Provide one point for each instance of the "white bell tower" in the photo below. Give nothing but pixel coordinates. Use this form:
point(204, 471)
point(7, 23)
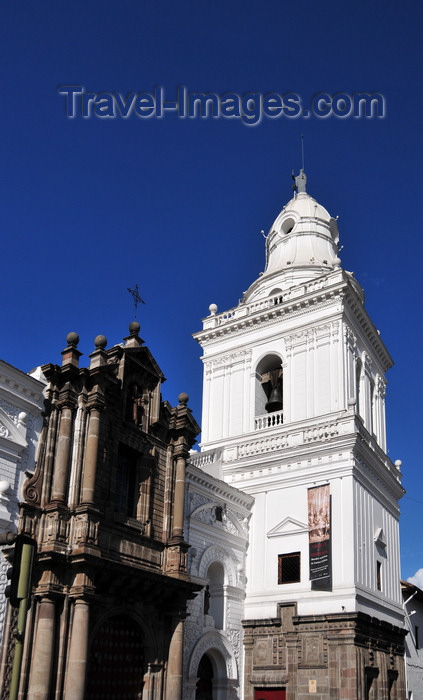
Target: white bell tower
point(294, 415)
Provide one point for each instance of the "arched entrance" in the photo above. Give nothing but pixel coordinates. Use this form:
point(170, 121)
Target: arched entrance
point(204, 689)
point(116, 661)
point(212, 672)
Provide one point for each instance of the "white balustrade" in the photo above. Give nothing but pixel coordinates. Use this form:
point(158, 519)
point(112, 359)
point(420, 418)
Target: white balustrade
point(269, 420)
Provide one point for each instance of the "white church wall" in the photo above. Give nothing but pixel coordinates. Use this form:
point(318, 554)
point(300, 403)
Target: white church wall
point(413, 607)
point(312, 361)
point(280, 527)
point(376, 554)
point(216, 527)
point(21, 402)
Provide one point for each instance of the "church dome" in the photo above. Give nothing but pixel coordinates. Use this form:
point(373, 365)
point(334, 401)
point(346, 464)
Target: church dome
point(302, 244)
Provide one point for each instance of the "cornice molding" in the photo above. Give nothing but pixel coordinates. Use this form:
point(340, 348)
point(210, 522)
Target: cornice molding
point(217, 487)
point(336, 287)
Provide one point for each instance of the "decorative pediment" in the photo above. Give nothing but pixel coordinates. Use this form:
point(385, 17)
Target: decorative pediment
point(11, 434)
point(288, 526)
point(214, 513)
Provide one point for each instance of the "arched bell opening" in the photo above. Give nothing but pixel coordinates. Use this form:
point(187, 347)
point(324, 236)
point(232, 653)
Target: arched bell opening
point(269, 388)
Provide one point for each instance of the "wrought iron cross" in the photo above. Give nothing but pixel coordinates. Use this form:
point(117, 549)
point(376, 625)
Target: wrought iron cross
point(136, 297)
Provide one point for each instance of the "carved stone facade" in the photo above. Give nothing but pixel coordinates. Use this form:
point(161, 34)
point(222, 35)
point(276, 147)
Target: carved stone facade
point(21, 403)
point(105, 506)
point(344, 657)
point(413, 609)
point(216, 526)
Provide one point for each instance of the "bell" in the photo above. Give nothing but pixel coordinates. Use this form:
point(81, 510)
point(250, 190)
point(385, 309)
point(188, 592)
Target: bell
point(275, 400)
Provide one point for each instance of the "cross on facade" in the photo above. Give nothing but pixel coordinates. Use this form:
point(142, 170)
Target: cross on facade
point(136, 297)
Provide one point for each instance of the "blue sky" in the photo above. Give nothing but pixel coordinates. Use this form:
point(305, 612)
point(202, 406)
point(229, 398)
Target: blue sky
point(92, 206)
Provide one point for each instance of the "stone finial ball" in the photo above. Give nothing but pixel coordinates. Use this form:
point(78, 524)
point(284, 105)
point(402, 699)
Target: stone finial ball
point(72, 338)
point(213, 309)
point(398, 463)
point(100, 342)
point(4, 487)
point(134, 328)
point(183, 398)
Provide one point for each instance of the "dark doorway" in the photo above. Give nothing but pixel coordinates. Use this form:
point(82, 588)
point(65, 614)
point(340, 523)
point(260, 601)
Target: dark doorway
point(204, 689)
point(116, 661)
point(270, 694)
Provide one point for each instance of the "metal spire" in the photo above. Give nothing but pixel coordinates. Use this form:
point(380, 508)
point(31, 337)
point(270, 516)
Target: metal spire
point(301, 179)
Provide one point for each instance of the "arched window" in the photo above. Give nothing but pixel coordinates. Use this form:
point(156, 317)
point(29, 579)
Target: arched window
point(216, 578)
point(277, 295)
point(269, 385)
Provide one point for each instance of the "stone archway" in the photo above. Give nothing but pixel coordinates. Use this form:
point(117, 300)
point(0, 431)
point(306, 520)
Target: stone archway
point(116, 661)
point(218, 671)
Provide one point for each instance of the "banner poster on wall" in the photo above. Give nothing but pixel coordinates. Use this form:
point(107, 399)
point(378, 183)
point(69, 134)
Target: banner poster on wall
point(319, 532)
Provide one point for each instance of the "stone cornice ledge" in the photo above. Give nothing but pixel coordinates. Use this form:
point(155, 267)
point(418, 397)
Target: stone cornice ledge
point(216, 486)
point(294, 440)
point(323, 288)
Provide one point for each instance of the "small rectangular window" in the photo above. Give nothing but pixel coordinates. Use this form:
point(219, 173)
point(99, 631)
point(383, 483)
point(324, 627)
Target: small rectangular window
point(379, 575)
point(416, 636)
point(289, 568)
point(126, 493)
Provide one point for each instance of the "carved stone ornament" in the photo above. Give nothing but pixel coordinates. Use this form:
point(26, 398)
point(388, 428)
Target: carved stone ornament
point(85, 530)
point(234, 636)
point(11, 411)
point(32, 488)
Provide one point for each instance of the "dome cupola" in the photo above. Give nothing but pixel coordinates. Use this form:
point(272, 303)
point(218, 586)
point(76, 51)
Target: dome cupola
point(302, 244)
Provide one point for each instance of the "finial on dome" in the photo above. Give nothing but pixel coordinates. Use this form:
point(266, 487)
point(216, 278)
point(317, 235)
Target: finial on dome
point(300, 181)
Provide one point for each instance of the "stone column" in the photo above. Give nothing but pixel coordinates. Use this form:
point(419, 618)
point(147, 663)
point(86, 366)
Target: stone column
point(42, 657)
point(44, 489)
point(153, 681)
point(178, 506)
point(90, 462)
point(175, 663)
point(78, 650)
point(61, 463)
